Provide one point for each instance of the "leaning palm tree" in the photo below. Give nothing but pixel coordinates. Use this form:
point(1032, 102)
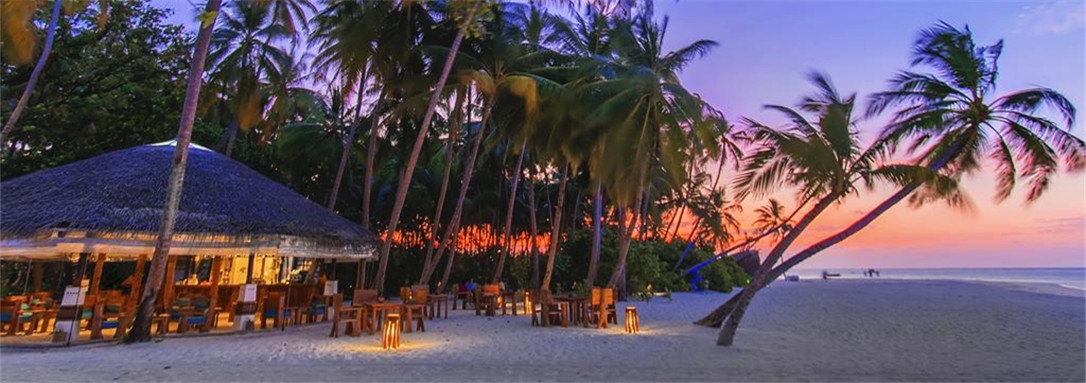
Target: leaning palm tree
point(824, 161)
point(955, 112)
point(141, 329)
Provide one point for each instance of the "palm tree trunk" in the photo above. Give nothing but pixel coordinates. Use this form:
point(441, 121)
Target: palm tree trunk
point(532, 223)
point(231, 138)
point(348, 143)
point(868, 218)
point(409, 169)
point(625, 232)
point(469, 169)
point(556, 227)
point(141, 330)
point(34, 74)
point(371, 156)
point(449, 265)
point(435, 224)
point(597, 233)
point(508, 232)
point(727, 333)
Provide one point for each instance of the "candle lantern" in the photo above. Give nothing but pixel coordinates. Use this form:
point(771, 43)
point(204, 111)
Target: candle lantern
point(633, 323)
point(390, 339)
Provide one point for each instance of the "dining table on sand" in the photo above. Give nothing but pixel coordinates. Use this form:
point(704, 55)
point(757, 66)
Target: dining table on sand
point(436, 302)
point(577, 311)
point(378, 310)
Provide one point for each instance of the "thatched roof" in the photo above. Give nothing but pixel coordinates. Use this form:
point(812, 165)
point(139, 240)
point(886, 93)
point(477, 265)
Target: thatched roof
point(114, 203)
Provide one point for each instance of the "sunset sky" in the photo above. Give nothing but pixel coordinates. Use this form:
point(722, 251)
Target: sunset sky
point(766, 48)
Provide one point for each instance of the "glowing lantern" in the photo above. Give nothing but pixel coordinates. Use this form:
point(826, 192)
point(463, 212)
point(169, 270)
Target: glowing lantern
point(633, 323)
point(390, 340)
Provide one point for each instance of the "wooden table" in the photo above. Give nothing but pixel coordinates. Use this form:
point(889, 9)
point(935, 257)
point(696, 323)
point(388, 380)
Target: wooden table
point(163, 321)
point(578, 309)
point(383, 308)
point(563, 310)
point(435, 302)
point(506, 298)
point(39, 319)
point(488, 300)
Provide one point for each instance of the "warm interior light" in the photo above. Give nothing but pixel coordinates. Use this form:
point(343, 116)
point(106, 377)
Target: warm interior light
point(390, 339)
point(633, 323)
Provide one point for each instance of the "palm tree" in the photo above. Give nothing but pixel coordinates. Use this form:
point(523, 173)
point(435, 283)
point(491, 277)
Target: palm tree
point(141, 330)
point(771, 218)
point(824, 162)
point(20, 30)
point(290, 14)
point(244, 56)
point(955, 110)
point(651, 120)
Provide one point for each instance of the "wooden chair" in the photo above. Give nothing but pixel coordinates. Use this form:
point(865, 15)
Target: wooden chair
point(464, 295)
point(107, 319)
point(12, 315)
point(349, 317)
point(608, 311)
point(486, 298)
point(416, 310)
point(545, 311)
point(275, 309)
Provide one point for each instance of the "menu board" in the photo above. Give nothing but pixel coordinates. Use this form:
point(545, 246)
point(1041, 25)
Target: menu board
point(73, 296)
point(248, 293)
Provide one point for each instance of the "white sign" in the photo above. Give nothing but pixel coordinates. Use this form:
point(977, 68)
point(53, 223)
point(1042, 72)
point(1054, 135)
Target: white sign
point(331, 288)
point(73, 296)
point(248, 293)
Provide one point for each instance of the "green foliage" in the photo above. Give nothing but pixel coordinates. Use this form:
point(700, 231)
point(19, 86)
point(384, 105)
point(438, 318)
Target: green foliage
point(102, 90)
point(648, 263)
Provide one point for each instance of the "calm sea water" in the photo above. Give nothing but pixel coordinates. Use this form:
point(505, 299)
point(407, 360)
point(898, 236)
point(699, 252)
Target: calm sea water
point(1073, 278)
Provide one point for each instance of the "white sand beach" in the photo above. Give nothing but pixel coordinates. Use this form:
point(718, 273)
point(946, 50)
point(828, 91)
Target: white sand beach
point(838, 330)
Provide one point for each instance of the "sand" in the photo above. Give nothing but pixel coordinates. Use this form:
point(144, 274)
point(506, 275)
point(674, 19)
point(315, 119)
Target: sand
point(838, 330)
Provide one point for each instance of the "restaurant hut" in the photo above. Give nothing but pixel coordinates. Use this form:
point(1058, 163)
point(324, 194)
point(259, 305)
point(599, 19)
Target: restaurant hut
point(234, 226)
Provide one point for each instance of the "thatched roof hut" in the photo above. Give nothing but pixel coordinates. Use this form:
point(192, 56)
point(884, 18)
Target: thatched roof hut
point(113, 204)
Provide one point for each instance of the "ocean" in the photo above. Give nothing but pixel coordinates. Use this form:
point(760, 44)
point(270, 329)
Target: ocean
point(1072, 278)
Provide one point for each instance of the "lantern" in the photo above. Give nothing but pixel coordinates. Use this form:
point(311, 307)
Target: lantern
point(633, 323)
point(390, 339)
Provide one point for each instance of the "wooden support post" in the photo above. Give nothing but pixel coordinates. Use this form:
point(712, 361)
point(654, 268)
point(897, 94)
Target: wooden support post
point(360, 275)
point(37, 273)
point(249, 271)
point(216, 272)
point(137, 284)
point(80, 269)
point(98, 265)
point(167, 281)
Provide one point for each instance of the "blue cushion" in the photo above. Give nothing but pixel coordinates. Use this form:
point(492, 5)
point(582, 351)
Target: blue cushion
point(275, 312)
point(196, 320)
point(111, 324)
point(5, 317)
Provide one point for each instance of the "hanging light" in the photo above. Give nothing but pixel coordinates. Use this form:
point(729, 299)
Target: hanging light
point(633, 323)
